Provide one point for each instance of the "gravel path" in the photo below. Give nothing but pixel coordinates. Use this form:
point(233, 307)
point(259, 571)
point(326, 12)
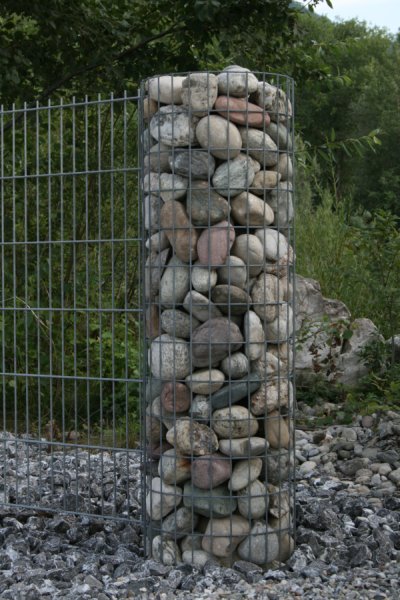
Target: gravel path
point(348, 536)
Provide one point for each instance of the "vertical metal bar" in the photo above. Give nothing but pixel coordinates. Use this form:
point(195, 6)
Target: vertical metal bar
point(14, 287)
point(26, 296)
point(3, 319)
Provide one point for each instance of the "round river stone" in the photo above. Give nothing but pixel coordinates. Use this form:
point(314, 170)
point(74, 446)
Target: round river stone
point(206, 381)
point(219, 136)
point(234, 422)
point(174, 126)
point(249, 248)
point(210, 471)
point(214, 244)
point(237, 81)
point(214, 340)
point(234, 176)
point(222, 536)
point(175, 397)
point(241, 112)
point(231, 300)
point(169, 357)
point(250, 210)
point(192, 438)
point(178, 323)
point(235, 391)
point(166, 89)
point(260, 146)
point(199, 91)
point(176, 226)
point(217, 502)
point(204, 206)
point(175, 282)
point(193, 164)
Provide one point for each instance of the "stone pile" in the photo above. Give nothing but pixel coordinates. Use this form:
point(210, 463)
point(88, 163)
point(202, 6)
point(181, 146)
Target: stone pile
point(217, 189)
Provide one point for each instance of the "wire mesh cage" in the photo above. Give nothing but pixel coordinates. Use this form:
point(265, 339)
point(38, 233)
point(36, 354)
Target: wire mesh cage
point(218, 406)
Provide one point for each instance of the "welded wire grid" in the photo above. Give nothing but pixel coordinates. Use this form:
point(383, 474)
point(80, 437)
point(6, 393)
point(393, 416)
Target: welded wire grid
point(70, 311)
point(179, 515)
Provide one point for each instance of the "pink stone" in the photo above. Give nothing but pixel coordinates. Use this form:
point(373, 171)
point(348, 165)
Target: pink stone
point(210, 471)
point(175, 397)
point(214, 244)
point(181, 235)
point(242, 112)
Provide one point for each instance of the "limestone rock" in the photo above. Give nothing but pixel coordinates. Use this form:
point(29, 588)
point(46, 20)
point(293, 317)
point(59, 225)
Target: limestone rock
point(235, 366)
point(165, 551)
point(266, 293)
point(254, 335)
point(274, 100)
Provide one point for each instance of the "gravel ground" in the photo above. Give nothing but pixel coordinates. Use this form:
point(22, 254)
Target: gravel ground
point(348, 526)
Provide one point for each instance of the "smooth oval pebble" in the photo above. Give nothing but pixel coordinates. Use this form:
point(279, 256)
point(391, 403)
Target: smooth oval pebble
point(243, 447)
point(203, 278)
point(253, 500)
point(173, 126)
point(214, 340)
point(219, 136)
point(254, 335)
point(204, 206)
point(249, 248)
point(234, 422)
point(211, 470)
point(166, 89)
point(178, 323)
point(193, 164)
point(175, 396)
point(241, 112)
point(200, 307)
point(192, 438)
point(264, 182)
point(199, 91)
point(165, 551)
point(235, 366)
point(175, 282)
point(231, 300)
point(266, 294)
point(222, 536)
point(214, 244)
point(274, 100)
point(206, 381)
point(176, 226)
point(244, 472)
point(212, 503)
point(233, 272)
point(260, 146)
point(173, 468)
point(237, 81)
point(261, 546)
point(162, 499)
point(250, 210)
point(234, 176)
point(276, 246)
point(169, 357)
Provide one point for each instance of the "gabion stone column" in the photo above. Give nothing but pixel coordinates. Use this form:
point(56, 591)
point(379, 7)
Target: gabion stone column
point(218, 431)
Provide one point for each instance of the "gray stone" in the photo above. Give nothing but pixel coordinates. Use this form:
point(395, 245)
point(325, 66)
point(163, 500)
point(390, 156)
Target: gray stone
point(235, 391)
point(277, 430)
point(260, 146)
point(254, 335)
point(230, 299)
point(152, 211)
point(153, 271)
point(173, 468)
point(276, 247)
point(222, 536)
point(169, 357)
point(165, 551)
point(162, 499)
point(249, 249)
point(281, 328)
point(200, 409)
point(233, 272)
point(175, 282)
point(261, 546)
point(281, 135)
point(215, 503)
point(200, 307)
point(197, 558)
point(199, 92)
point(281, 202)
point(235, 366)
point(157, 159)
point(264, 182)
point(219, 136)
point(271, 396)
point(284, 167)
point(204, 206)
point(243, 447)
point(193, 164)
point(250, 210)
point(237, 81)
point(253, 500)
point(266, 294)
point(206, 381)
point(203, 278)
point(173, 126)
point(214, 340)
point(166, 89)
point(234, 422)
point(157, 242)
point(180, 522)
point(170, 186)
point(192, 438)
point(178, 323)
point(210, 471)
point(244, 472)
point(234, 176)
point(274, 100)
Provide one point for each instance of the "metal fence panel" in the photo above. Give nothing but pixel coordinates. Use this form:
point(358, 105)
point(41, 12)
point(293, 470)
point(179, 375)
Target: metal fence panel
point(69, 306)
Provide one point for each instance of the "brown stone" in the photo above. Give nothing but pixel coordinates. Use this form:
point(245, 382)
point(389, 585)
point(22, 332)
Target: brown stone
point(214, 244)
point(152, 321)
point(277, 431)
point(210, 471)
point(264, 181)
point(176, 225)
point(214, 340)
point(175, 397)
point(242, 112)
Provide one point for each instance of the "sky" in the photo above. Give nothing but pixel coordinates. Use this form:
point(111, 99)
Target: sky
point(383, 13)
